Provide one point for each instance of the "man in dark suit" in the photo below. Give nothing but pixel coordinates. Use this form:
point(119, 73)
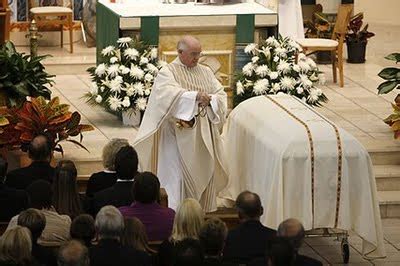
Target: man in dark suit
point(12, 201)
point(248, 242)
point(120, 194)
point(109, 251)
point(293, 231)
point(39, 151)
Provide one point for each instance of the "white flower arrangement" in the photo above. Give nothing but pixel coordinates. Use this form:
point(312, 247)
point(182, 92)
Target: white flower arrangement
point(273, 69)
point(123, 81)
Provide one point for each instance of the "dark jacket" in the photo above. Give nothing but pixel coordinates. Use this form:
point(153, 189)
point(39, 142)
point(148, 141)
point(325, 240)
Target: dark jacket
point(44, 255)
point(99, 181)
point(120, 194)
point(247, 242)
point(12, 202)
point(21, 178)
point(306, 261)
point(109, 252)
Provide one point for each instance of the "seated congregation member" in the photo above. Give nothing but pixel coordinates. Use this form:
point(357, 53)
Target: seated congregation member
point(120, 194)
point(157, 220)
point(66, 199)
point(293, 230)
point(212, 238)
point(16, 247)
point(249, 240)
point(106, 178)
point(40, 152)
point(73, 253)
point(82, 229)
point(12, 201)
point(35, 221)
point(135, 236)
point(280, 252)
point(109, 251)
point(57, 226)
point(188, 252)
point(187, 224)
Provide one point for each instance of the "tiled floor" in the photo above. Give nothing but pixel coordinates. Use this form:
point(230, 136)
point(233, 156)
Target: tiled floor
point(356, 108)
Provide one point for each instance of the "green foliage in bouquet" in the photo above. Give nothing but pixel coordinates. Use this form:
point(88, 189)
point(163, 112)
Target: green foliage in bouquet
point(22, 75)
point(124, 80)
point(273, 69)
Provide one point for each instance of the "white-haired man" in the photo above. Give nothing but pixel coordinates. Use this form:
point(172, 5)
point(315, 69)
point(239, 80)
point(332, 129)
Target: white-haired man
point(179, 137)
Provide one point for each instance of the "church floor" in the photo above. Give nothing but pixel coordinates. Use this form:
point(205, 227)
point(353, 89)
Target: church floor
point(357, 108)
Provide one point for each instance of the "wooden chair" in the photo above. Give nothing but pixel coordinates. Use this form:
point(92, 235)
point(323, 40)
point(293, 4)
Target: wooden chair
point(335, 44)
point(4, 21)
point(54, 16)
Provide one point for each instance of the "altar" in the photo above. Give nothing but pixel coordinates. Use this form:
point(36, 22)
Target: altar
point(303, 166)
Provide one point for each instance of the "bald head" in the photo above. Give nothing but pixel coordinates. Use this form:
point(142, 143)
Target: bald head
point(40, 148)
point(249, 205)
point(292, 229)
point(73, 253)
point(189, 50)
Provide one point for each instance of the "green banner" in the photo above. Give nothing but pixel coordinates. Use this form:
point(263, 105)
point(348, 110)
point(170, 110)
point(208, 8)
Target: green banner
point(150, 30)
point(245, 26)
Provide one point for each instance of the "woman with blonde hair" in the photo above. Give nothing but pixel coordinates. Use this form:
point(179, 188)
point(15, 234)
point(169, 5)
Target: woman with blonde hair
point(188, 221)
point(16, 247)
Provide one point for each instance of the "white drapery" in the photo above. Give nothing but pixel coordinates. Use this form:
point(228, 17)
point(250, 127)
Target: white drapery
point(290, 19)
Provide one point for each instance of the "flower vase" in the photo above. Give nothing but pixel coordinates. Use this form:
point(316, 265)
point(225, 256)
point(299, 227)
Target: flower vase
point(131, 118)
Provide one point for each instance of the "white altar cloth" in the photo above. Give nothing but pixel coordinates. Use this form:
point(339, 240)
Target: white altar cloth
point(302, 166)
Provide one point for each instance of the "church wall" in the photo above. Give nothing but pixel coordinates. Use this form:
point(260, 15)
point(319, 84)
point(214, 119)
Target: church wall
point(382, 11)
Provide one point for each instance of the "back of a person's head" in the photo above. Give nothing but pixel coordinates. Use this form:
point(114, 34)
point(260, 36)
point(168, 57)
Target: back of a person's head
point(212, 236)
point(82, 228)
point(3, 169)
point(134, 235)
point(292, 230)
point(110, 150)
point(146, 188)
point(280, 252)
point(65, 192)
point(16, 245)
point(109, 223)
point(126, 163)
point(188, 252)
point(40, 194)
point(73, 253)
point(188, 220)
point(249, 205)
point(40, 148)
point(34, 220)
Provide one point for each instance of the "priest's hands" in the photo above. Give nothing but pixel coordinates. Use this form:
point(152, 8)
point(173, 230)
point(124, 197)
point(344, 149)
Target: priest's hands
point(203, 98)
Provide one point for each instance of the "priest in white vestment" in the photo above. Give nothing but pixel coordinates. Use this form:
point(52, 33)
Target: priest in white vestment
point(179, 138)
point(291, 19)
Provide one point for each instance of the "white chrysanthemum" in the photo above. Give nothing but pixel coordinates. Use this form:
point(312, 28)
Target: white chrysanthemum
point(136, 72)
point(250, 48)
point(141, 103)
point(296, 68)
point(239, 88)
point(124, 70)
point(311, 63)
point(131, 53)
point(130, 90)
point(262, 70)
point(276, 58)
point(294, 45)
point(248, 69)
point(113, 60)
point(94, 90)
point(138, 88)
point(99, 99)
point(152, 68)
point(143, 60)
point(114, 102)
point(271, 41)
point(301, 57)
point(280, 51)
point(288, 83)
point(254, 59)
point(162, 63)
point(148, 77)
point(275, 87)
point(116, 84)
point(100, 70)
point(284, 67)
point(113, 70)
point(124, 41)
point(260, 86)
point(153, 53)
point(147, 91)
point(273, 75)
point(300, 90)
point(126, 102)
point(321, 79)
point(109, 50)
point(314, 95)
point(304, 67)
point(305, 81)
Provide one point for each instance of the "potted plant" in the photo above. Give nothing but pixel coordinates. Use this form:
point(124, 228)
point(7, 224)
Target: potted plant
point(21, 76)
point(38, 116)
point(356, 39)
point(274, 69)
point(122, 82)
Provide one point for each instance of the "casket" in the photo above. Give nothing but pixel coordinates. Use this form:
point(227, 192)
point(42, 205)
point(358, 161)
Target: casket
point(303, 166)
